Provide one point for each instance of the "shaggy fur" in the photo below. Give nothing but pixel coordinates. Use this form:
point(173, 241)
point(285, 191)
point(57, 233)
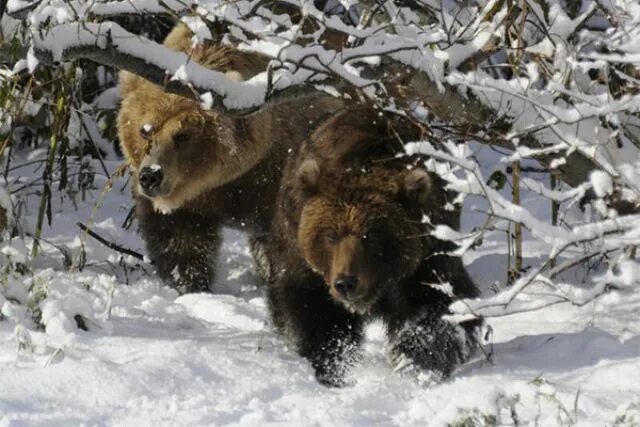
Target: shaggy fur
point(216, 170)
point(351, 211)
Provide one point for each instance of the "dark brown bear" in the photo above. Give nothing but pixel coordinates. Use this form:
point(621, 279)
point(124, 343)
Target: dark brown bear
point(349, 244)
point(196, 170)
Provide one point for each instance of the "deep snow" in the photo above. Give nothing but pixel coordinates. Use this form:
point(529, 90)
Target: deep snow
point(153, 358)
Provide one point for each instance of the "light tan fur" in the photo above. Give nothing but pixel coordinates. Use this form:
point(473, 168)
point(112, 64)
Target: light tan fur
point(215, 149)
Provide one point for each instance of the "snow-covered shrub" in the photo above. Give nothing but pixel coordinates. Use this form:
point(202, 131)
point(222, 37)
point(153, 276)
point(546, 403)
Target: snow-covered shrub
point(55, 301)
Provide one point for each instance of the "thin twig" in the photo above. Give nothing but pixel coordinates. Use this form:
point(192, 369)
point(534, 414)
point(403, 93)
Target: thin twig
point(109, 244)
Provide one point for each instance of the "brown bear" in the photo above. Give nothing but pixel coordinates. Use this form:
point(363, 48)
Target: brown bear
point(350, 243)
point(196, 170)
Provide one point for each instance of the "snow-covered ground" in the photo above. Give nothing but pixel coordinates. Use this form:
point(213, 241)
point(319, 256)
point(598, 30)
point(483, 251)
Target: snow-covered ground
point(150, 357)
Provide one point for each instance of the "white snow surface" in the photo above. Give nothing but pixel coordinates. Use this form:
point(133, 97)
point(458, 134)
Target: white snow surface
point(151, 357)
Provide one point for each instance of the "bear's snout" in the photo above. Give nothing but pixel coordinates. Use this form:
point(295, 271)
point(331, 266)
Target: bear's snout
point(346, 285)
point(150, 178)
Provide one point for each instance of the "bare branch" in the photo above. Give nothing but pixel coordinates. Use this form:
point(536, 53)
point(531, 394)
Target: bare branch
point(110, 245)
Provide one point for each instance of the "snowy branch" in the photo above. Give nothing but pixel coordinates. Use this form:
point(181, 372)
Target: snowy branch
point(109, 44)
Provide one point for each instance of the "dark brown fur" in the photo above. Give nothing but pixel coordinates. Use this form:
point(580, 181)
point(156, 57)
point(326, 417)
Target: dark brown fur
point(349, 206)
point(217, 170)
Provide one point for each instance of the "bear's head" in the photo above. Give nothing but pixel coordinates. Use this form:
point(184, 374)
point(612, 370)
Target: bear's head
point(361, 228)
point(178, 149)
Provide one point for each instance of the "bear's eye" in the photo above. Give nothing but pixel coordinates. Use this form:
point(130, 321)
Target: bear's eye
point(146, 131)
point(180, 138)
point(331, 237)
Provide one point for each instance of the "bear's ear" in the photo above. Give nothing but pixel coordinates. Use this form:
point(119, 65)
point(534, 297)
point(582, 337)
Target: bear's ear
point(416, 185)
point(180, 38)
point(308, 175)
point(128, 82)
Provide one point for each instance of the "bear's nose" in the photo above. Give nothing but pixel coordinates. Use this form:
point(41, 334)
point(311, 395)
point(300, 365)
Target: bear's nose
point(346, 284)
point(150, 177)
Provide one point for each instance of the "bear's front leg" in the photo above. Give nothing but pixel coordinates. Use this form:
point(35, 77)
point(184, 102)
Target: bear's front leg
point(428, 347)
point(182, 246)
point(421, 341)
point(321, 330)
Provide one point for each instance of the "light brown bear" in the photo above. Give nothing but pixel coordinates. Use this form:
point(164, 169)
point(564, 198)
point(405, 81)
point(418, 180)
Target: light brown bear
point(349, 244)
point(196, 170)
